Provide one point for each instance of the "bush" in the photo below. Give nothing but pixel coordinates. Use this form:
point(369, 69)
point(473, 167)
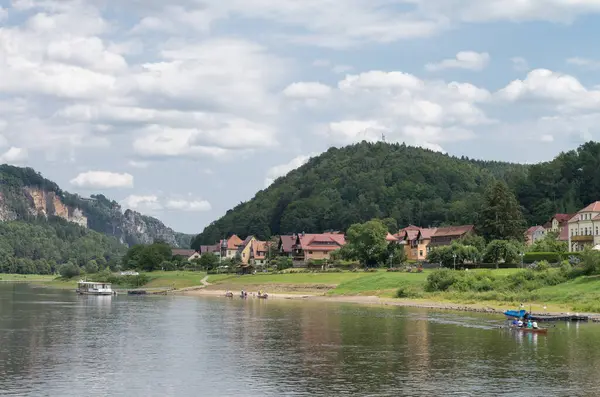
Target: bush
point(551, 257)
point(69, 270)
point(370, 270)
point(440, 280)
point(408, 291)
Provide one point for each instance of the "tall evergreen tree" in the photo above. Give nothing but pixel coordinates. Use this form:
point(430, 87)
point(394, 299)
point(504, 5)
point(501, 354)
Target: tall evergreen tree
point(500, 217)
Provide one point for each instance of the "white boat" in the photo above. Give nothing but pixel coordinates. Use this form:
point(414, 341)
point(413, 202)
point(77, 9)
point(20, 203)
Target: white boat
point(92, 288)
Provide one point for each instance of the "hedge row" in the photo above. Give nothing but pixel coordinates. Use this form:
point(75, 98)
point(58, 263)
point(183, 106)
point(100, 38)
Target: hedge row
point(551, 257)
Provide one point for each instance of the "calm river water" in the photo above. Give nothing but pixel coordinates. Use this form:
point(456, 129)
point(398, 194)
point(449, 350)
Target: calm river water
point(55, 343)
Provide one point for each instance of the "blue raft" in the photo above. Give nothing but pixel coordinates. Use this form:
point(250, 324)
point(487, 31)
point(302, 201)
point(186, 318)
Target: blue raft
point(515, 313)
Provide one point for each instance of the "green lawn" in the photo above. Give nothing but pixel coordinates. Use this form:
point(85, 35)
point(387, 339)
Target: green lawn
point(175, 279)
point(26, 277)
point(288, 278)
point(380, 283)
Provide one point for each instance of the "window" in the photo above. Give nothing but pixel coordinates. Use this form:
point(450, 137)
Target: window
point(420, 252)
point(596, 230)
point(310, 252)
point(572, 234)
point(585, 230)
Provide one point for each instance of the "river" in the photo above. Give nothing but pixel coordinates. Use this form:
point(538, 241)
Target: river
point(55, 343)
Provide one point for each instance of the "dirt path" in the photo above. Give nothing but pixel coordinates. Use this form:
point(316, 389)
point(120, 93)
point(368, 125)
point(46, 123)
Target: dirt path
point(204, 283)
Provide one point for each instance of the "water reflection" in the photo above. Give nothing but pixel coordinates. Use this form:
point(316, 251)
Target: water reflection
point(58, 343)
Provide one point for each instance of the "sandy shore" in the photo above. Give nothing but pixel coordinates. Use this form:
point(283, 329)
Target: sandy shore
point(372, 300)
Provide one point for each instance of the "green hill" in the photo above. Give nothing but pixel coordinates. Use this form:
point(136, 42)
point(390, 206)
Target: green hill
point(411, 185)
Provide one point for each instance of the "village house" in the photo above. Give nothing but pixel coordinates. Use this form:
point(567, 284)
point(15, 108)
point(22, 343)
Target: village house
point(584, 228)
point(418, 242)
point(534, 234)
point(189, 255)
point(213, 249)
point(559, 223)
point(303, 248)
point(259, 253)
point(243, 252)
point(230, 246)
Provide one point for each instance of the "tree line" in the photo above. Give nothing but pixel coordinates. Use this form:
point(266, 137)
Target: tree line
point(410, 186)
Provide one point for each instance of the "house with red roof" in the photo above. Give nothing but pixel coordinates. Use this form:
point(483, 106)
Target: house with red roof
point(559, 223)
point(418, 242)
point(230, 246)
point(534, 234)
point(446, 235)
point(304, 247)
point(584, 228)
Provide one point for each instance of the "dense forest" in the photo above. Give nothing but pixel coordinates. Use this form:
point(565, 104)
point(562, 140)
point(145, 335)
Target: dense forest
point(410, 185)
point(41, 245)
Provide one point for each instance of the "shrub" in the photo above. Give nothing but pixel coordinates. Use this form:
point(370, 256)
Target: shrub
point(541, 266)
point(440, 280)
point(408, 291)
point(552, 257)
point(69, 270)
point(370, 270)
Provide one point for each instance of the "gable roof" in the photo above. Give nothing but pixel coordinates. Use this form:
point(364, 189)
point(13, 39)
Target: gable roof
point(561, 218)
point(286, 243)
point(182, 252)
point(533, 229)
point(594, 207)
point(234, 242)
point(209, 248)
point(391, 237)
point(321, 242)
point(453, 231)
point(427, 233)
point(245, 243)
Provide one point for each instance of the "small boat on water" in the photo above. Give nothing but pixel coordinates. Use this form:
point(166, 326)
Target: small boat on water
point(92, 288)
point(530, 330)
point(262, 296)
point(515, 313)
point(229, 294)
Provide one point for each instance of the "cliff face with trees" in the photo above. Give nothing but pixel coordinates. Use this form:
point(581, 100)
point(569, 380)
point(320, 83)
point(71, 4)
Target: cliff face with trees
point(26, 195)
point(409, 185)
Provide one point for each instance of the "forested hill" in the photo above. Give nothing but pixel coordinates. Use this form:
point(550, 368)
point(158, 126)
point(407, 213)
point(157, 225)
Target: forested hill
point(361, 182)
point(25, 195)
point(410, 185)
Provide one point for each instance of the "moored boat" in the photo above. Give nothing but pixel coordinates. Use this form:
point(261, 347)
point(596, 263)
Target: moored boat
point(263, 296)
point(92, 288)
point(229, 294)
point(515, 313)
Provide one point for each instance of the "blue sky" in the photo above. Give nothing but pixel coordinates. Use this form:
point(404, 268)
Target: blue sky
point(183, 109)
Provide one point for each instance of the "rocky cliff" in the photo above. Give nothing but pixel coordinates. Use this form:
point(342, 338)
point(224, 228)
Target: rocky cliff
point(25, 194)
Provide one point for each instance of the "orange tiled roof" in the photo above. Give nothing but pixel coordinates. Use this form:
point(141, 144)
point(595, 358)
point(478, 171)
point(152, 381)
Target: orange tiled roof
point(594, 207)
point(234, 242)
point(321, 242)
point(453, 230)
point(428, 232)
point(391, 237)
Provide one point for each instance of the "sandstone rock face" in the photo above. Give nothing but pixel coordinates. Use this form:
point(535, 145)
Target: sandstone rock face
point(48, 203)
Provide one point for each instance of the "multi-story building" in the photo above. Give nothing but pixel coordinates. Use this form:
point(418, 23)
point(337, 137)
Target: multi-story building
point(419, 241)
point(534, 234)
point(584, 228)
point(303, 248)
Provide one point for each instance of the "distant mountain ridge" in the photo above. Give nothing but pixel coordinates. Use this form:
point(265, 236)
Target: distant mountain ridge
point(406, 185)
point(26, 194)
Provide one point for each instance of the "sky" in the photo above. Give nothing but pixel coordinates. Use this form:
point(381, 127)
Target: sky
point(183, 109)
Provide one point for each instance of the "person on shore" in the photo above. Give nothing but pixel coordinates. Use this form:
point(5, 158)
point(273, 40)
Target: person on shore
point(534, 325)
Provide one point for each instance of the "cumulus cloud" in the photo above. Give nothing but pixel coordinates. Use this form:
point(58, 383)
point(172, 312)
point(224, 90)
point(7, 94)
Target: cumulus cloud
point(469, 60)
point(102, 180)
point(283, 169)
point(520, 64)
point(585, 63)
point(148, 203)
point(14, 156)
point(307, 90)
point(188, 205)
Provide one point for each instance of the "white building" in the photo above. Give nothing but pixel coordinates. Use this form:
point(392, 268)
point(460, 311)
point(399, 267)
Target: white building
point(584, 228)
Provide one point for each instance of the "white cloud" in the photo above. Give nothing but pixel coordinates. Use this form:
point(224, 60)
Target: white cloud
point(149, 203)
point(469, 60)
point(102, 180)
point(585, 63)
point(188, 205)
point(283, 169)
point(545, 84)
point(307, 90)
point(138, 164)
point(3, 13)
point(520, 64)
point(14, 155)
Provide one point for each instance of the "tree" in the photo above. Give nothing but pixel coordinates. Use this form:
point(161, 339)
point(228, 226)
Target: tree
point(91, 267)
point(209, 261)
point(394, 255)
point(500, 217)
point(498, 251)
point(454, 254)
point(366, 242)
point(391, 224)
point(69, 270)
